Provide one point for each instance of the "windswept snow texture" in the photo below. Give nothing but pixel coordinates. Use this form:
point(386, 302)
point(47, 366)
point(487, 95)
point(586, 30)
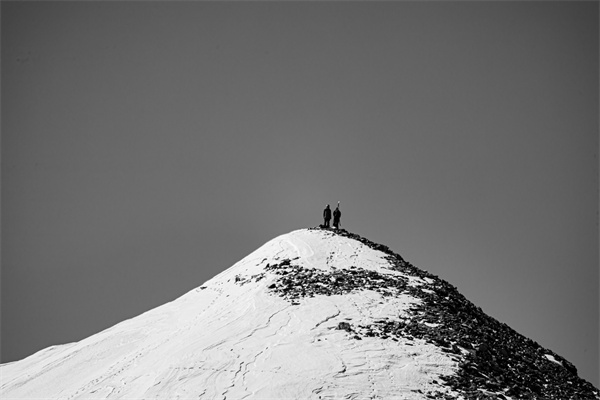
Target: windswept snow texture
point(236, 337)
point(313, 314)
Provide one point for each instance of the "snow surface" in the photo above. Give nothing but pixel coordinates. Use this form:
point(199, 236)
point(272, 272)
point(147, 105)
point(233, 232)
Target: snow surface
point(232, 339)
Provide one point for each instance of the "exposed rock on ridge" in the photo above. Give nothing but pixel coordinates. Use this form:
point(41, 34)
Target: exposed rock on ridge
point(311, 314)
point(495, 362)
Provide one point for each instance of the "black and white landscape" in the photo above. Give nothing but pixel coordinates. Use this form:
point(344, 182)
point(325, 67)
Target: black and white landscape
point(147, 146)
point(312, 314)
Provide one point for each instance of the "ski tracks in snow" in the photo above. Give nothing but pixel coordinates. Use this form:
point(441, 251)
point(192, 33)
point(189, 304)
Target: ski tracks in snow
point(233, 340)
point(335, 314)
point(247, 352)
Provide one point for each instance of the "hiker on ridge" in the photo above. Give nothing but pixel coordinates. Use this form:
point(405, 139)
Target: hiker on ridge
point(327, 216)
point(337, 214)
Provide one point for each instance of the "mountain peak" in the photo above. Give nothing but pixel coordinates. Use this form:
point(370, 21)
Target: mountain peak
point(315, 313)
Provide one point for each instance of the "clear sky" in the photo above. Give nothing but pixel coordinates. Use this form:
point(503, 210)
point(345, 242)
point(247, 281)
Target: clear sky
point(147, 146)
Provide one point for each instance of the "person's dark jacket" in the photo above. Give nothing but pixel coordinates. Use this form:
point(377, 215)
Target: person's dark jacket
point(337, 214)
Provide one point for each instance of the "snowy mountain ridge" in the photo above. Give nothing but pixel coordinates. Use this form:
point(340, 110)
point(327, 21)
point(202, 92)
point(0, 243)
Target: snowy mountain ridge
point(312, 314)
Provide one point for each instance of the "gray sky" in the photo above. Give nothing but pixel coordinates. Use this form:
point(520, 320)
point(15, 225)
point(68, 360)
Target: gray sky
point(147, 146)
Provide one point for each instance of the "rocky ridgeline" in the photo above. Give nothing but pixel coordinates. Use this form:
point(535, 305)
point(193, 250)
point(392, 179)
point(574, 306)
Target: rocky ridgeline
point(494, 361)
point(492, 356)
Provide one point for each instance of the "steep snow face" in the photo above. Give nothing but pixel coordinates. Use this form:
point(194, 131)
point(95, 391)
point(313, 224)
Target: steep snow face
point(239, 335)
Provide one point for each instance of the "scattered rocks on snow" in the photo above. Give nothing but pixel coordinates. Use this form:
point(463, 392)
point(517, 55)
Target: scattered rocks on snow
point(344, 326)
point(295, 282)
point(494, 361)
point(492, 357)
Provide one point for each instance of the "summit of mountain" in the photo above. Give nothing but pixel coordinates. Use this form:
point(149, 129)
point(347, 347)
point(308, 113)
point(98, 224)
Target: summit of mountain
point(315, 313)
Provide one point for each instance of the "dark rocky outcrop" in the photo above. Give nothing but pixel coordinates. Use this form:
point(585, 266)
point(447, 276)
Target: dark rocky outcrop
point(494, 361)
point(492, 356)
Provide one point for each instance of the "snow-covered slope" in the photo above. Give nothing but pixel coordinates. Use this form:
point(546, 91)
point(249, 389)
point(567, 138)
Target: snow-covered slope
point(311, 314)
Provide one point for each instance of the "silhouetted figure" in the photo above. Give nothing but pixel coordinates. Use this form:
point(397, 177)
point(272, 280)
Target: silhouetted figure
point(327, 216)
point(337, 214)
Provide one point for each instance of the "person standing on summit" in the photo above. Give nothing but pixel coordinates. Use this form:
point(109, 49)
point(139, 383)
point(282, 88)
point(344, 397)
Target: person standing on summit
point(337, 214)
point(327, 216)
